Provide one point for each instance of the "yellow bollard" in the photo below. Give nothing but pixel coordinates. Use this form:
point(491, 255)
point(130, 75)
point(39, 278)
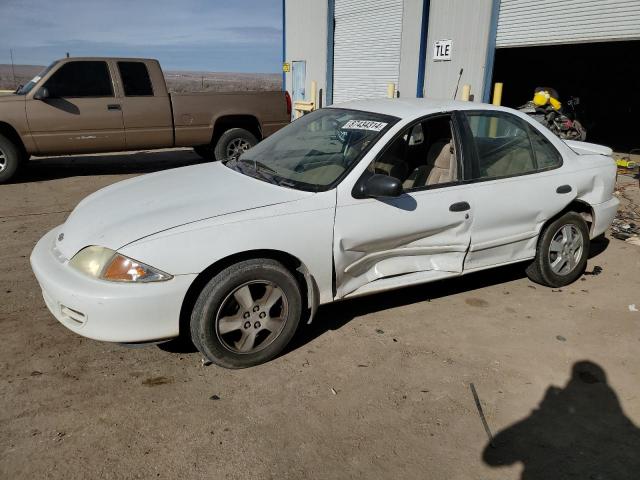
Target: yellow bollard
point(391, 90)
point(314, 89)
point(466, 93)
point(497, 94)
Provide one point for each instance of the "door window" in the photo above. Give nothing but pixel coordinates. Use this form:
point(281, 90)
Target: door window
point(135, 79)
point(81, 79)
point(547, 157)
point(423, 156)
point(502, 144)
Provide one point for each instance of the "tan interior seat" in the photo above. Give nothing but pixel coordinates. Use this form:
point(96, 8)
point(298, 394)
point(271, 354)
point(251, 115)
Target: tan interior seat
point(442, 158)
point(441, 167)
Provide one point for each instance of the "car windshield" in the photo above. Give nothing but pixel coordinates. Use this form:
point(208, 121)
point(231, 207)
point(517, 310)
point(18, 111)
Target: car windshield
point(315, 151)
point(23, 90)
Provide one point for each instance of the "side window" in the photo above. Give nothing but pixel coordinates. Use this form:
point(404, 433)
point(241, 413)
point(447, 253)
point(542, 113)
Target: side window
point(81, 79)
point(547, 156)
point(422, 156)
point(135, 79)
point(503, 145)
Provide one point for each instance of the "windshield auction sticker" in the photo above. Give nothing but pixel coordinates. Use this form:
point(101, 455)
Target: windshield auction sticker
point(364, 125)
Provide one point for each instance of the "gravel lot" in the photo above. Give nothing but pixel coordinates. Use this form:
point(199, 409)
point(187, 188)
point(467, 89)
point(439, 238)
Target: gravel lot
point(375, 388)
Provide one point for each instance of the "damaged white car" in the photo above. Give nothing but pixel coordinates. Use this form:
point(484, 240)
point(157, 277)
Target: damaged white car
point(360, 198)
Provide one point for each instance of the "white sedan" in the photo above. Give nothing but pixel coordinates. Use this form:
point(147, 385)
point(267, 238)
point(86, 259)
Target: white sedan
point(350, 200)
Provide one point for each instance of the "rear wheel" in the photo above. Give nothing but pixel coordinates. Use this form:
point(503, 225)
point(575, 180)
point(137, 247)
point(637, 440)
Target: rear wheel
point(562, 252)
point(247, 314)
point(9, 159)
point(233, 143)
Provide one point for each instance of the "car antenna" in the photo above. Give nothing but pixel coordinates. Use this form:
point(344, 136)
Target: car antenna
point(458, 84)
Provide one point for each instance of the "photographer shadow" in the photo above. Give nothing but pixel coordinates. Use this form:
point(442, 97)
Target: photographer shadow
point(578, 431)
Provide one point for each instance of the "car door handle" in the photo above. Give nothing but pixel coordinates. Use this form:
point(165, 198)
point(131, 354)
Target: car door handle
point(114, 106)
point(460, 207)
point(563, 189)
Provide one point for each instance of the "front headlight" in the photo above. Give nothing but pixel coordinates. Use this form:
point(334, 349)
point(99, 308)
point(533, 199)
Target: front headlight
point(106, 264)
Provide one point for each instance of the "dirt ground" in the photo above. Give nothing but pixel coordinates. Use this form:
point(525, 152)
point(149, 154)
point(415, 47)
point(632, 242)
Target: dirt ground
point(375, 388)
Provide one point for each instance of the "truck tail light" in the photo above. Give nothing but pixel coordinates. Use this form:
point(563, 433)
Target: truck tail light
point(288, 98)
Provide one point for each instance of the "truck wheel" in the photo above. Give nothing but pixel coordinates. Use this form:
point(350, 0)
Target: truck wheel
point(563, 248)
point(9, 159)
point(233, 143)
point(247, 314)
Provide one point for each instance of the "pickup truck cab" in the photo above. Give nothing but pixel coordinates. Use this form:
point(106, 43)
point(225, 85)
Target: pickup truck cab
point(93, 105)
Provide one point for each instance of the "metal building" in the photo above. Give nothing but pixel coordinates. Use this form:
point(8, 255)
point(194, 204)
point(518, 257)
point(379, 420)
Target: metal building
point(355, 48)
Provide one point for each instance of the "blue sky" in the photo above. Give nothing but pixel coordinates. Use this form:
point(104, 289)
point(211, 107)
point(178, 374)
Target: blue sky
point(207, 35)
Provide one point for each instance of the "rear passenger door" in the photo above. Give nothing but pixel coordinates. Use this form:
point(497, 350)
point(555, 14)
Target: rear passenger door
point(146, 107)
point(514, 173)
point(81, 115)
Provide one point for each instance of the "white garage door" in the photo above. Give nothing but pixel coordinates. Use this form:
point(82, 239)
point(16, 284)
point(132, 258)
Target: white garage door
point(546, 22)
point(366, 51)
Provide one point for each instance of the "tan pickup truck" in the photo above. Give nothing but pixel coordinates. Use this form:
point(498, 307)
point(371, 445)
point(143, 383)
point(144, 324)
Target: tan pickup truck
point(93, 105)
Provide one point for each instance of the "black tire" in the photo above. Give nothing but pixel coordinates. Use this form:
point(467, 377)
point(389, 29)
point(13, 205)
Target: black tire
point(541, 271)
point(239, 137)
point(205, 151)
point(218, 296)
point(10, 159)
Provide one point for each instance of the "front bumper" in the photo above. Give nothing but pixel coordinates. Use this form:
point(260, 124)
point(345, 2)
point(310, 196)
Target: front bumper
point(108, 311)
point(603, 213)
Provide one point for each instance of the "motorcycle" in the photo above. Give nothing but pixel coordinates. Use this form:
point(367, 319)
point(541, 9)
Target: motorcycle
point(547, 109)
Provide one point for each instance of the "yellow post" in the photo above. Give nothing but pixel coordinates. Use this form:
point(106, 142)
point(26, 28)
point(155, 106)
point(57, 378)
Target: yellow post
point(497, 94)
point(391, 90)
point(466, 92)
point(314, 89)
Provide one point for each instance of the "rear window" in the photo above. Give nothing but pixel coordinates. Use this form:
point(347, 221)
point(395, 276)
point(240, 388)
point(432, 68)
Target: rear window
point(135, 79)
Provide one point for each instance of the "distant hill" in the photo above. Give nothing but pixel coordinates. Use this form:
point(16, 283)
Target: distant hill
point(177, 81)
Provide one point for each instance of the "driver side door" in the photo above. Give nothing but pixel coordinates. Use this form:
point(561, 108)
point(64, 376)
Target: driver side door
point(419, 236)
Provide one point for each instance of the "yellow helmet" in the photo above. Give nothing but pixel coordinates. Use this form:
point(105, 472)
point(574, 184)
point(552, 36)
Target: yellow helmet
point(555, 103)
point(541, 98)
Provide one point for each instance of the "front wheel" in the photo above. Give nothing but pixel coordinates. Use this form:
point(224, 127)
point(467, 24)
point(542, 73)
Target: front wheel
point(10, 158)
point(563, 249)
point(247, 314)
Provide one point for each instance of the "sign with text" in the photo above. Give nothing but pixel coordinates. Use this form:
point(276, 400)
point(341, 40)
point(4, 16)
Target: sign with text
point(442, 50)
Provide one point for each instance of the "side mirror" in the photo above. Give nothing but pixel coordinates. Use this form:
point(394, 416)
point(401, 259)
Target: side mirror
point(378, 185)
point(42, 94)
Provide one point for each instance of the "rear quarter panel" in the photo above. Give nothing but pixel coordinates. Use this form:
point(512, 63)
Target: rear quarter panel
point(195, 114)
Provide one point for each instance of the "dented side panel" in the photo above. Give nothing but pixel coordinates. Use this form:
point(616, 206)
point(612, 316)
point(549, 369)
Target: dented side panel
point(415, 232)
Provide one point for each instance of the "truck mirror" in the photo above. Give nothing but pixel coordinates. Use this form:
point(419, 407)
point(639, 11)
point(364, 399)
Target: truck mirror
point(42, 94)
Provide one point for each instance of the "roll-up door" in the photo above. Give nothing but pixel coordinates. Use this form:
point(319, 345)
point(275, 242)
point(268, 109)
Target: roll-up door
point(547, 22)
point(366, 51)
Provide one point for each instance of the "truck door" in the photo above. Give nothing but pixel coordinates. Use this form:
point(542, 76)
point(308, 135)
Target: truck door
point(81, 113)
point(146, 107)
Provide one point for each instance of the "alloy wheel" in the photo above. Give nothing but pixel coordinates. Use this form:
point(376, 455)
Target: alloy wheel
point(566, 250)
point(3, 161)
point(252, 316)
point(237, 147)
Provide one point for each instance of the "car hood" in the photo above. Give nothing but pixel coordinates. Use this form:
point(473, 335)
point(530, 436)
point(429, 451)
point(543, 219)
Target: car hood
point(132, 209)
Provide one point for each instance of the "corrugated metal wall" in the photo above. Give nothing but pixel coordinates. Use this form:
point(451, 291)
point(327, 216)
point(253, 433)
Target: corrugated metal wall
point(367, 40)
point(545, 22)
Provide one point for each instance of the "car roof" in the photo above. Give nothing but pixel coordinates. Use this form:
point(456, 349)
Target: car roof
point(406, 108)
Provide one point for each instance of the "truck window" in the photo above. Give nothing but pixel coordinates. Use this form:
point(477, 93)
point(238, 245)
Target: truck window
point(135, 79)
point(81, 79)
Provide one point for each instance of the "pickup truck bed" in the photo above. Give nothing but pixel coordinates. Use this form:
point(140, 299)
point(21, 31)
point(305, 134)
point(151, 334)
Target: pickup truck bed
point(93, 105)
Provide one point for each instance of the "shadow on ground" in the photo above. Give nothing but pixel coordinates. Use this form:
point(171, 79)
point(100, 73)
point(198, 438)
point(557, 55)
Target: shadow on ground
point(51, 168)
point(334, 316)
point(577, 432)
